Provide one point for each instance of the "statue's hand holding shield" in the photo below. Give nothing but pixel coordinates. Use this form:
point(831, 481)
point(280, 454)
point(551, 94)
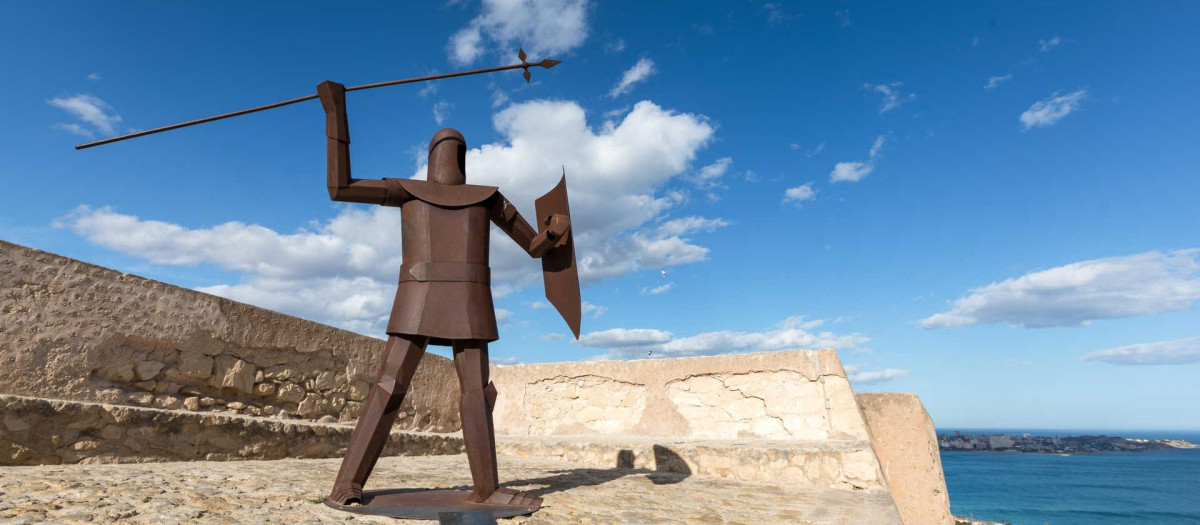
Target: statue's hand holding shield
point(559, 273)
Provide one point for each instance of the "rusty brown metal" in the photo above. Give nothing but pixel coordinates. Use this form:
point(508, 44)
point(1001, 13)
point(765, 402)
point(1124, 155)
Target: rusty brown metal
point(559, 273)
point(545, 63)
point(443, 297)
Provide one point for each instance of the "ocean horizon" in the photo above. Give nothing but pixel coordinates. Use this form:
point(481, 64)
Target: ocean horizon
point(1114, 487)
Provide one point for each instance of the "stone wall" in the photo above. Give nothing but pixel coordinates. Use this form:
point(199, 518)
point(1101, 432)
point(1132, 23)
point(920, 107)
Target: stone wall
point(76, 331)
point(793, 395)
point(905, 442)
point(122, 368)
point(39, 432)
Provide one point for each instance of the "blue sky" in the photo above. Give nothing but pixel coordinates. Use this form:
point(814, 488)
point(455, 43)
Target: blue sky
point(991, 204)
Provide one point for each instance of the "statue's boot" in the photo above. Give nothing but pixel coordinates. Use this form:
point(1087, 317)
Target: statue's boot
point(379, 412)
point(478, 400)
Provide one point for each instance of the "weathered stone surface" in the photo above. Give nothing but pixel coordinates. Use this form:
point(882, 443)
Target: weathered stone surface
point(40, 431)
point(291, 491)
point(828, 464)
point(905, 442)
point(791, 395)
point(72, 330)
point(195, 364)
point(147, 369)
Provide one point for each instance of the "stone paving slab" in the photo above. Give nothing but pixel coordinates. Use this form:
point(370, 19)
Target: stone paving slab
point(291, 491)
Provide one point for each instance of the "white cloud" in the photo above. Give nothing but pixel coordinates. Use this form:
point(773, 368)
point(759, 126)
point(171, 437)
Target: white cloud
point(657, 289)
point(503, 316)
point(799, 194)
point(851, 171)
point(499, 98)
point(551, 337)
point(877, 146)
point(94, 76)
point(866, 377)
point(775, 13)
point(75, 129)
point(1051, 110)
point(90, 110)
point(688, 225)
point(542, 27)
point(857, 170)
point(893, 97)
point(843, 17)
point(430, 88)
point(441, 111)
point(638, 73)
point(994, 82)
point(613, 172)
point(615, 112)
point(709, 177)
point(615, 46)
point(340, 272)
point(538, 305)
point(1046, 45)
point(623, 337)
point(1078, 293)
point(593, 310)
point(792, 333)
point(1178, 352)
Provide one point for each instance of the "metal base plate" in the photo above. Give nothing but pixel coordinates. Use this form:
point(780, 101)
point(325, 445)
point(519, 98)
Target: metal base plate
point(425, 504)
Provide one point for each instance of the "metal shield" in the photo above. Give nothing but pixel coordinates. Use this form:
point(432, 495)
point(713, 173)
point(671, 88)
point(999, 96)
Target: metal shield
point(558, 265)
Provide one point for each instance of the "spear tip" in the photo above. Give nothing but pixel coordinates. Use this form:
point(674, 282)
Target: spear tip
point(521, 54)
point(548, 63)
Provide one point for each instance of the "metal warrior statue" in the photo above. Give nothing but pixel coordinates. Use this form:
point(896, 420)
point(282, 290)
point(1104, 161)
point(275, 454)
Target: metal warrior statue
point(443, 298)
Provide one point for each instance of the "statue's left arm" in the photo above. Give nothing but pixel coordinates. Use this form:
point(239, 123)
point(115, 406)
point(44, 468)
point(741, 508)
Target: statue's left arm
point(506, 216)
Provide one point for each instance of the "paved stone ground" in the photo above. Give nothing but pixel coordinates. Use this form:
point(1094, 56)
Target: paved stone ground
point(291, 491)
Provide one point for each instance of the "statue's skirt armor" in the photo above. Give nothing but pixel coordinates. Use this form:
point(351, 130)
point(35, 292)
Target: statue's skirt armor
point(445, 285)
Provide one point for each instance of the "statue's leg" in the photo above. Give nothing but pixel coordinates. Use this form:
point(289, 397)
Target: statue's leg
point(379, 412)
point(478, 399)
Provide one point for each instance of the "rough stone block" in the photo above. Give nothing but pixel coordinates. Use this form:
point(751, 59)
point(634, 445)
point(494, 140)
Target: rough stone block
point(147, 369)
point(231, 372)
point(905, 442)
point(195, 364)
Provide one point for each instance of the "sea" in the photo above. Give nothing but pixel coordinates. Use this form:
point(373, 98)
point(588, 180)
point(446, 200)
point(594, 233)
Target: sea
point(1114, 487)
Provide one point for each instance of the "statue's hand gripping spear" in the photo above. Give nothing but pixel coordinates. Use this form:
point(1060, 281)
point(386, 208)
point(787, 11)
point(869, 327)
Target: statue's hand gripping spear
point(546, 63)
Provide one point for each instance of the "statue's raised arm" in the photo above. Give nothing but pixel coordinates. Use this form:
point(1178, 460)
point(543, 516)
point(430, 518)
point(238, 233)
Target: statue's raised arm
point(341, 186)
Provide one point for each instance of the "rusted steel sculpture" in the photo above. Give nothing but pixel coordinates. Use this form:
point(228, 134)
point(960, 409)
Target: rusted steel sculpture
point(444, 297)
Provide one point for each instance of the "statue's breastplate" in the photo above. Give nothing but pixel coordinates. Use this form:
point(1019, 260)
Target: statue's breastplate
point(433, 233)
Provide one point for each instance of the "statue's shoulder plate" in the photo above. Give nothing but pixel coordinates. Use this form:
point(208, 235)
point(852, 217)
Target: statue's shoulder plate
point(448, 196)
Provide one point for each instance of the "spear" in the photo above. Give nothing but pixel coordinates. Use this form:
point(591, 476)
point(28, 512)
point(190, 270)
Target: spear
point(546, 63)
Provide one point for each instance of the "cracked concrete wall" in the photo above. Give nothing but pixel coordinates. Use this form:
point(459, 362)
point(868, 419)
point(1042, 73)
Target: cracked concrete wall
point(76, 331)
point(793, 395)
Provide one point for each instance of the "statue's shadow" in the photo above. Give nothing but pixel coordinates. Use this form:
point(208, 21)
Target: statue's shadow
point(669, 469)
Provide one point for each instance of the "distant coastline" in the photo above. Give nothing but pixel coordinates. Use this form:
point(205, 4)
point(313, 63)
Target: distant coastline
point(1031, 444)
